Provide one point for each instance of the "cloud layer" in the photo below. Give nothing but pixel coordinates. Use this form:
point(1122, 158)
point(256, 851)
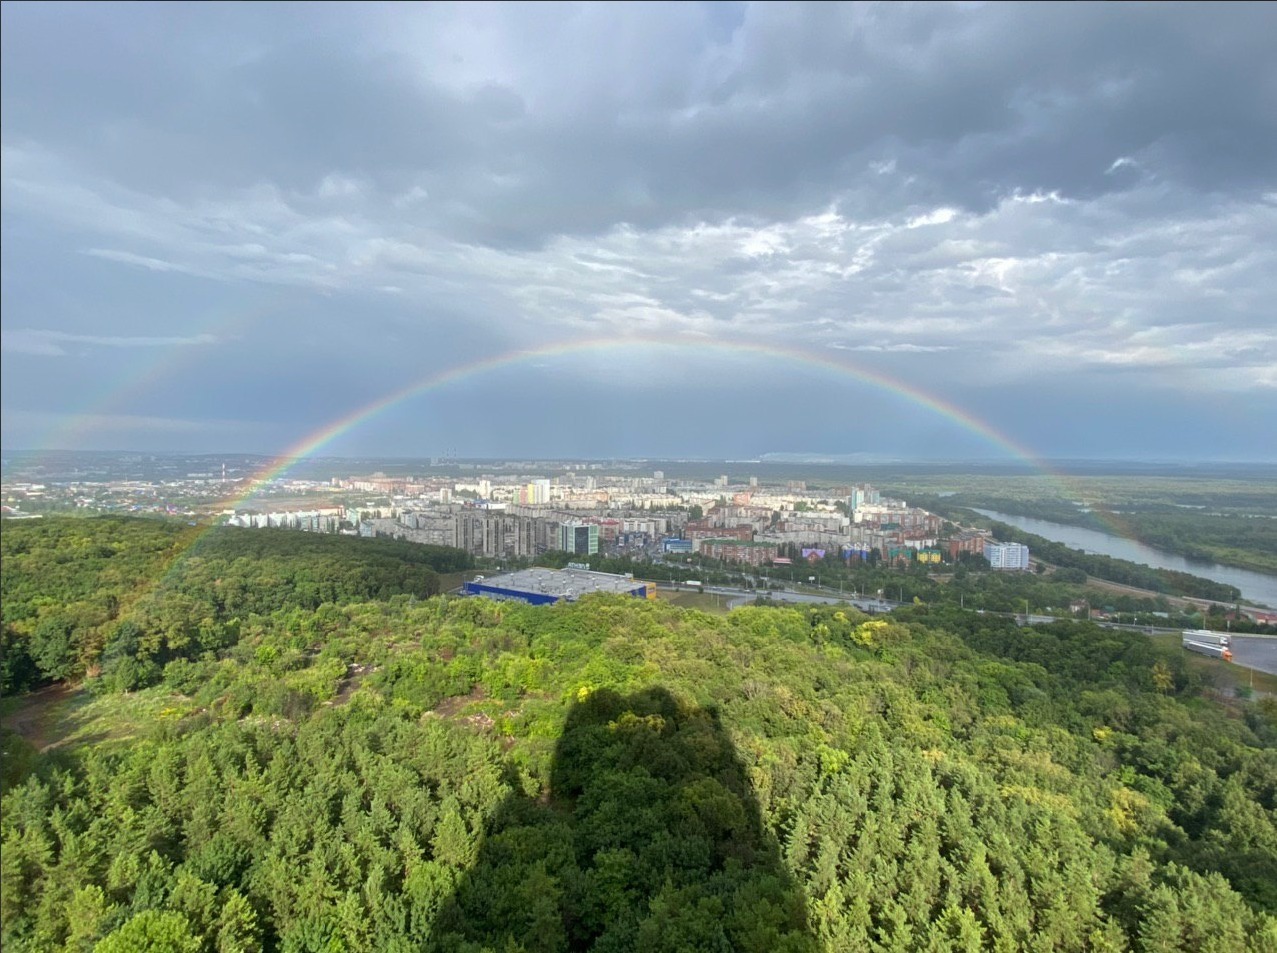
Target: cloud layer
point(332, 202)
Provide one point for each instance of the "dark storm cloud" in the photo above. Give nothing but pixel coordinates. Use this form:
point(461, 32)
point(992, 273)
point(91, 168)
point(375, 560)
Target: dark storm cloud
point(972, 104)
point(970, 196)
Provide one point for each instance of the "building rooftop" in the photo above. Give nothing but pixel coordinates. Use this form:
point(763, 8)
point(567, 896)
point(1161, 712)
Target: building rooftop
point(568, 583)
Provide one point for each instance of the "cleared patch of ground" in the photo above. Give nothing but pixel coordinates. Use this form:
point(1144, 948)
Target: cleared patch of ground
point(449, 707)
point(62, 715)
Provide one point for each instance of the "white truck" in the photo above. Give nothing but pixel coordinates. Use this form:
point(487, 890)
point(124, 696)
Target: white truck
point(1209, 637)
point(1212, 644)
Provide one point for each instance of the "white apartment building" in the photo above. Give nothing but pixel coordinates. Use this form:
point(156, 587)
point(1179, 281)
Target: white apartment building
point(1006, 555)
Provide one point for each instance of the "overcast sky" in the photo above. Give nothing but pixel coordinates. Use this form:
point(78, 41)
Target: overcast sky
point(225, 227)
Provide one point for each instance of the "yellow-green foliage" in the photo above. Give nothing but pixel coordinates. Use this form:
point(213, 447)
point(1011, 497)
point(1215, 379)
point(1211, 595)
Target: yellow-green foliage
point(454, 774)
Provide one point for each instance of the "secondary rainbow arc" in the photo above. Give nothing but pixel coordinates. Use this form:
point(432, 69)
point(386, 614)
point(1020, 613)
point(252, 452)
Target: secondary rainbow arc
point(333, 430)
point(318, 439)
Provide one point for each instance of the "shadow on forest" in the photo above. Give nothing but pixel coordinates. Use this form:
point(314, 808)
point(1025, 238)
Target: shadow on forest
point(651, 839)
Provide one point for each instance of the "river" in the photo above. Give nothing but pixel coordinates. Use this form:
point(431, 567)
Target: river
point(1255, 586)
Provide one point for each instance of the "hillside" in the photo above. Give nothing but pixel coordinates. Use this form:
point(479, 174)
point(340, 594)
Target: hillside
point(115, 598)
point(627, 775)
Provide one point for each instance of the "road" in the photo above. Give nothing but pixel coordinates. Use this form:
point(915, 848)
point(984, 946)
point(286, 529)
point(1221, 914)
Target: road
point(739, 597)
point(1256, 651)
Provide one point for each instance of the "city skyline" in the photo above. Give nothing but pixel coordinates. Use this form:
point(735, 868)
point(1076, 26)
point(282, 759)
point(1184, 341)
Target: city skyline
point(723, 231)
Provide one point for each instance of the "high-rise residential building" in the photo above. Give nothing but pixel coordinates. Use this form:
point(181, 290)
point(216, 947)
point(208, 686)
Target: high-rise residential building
point(862, 496)
point(753, 482)
point(1006, 555)
point(535, 493)
point(581, 539)
point(967, 541)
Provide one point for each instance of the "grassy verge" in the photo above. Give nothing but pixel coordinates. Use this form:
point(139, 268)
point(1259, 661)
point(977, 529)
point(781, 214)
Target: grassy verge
point(1243, 558)
point(61, 716)
point(453, 580)
point(704, 601)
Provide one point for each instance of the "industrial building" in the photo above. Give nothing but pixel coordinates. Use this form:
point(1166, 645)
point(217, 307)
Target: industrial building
point(540, 587)
point(1006, 555)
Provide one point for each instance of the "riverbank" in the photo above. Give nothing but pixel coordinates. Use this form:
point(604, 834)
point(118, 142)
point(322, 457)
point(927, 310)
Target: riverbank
point(1255, 588)
point(1199, 551)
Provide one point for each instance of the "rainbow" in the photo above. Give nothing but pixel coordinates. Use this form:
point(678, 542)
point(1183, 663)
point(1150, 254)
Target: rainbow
point(325, 435)
point(318, 439)
point(142, 374)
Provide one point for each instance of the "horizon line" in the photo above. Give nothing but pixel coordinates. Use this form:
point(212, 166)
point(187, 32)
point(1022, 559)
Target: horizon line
point(831, 457)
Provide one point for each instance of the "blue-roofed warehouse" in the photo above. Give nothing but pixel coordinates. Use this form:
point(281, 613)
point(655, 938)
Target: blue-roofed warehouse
point(540, 586)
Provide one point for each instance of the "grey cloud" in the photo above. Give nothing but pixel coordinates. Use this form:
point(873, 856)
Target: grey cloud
point(129, 258)
point(129, 423)
point(46, 343)
point(973, 196)
point(905, 348)
point(1035, 268)
point(793, 109)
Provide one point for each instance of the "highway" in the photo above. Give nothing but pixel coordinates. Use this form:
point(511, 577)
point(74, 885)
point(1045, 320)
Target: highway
point(739, 597)
point(1249, 651)
point(1257, 651)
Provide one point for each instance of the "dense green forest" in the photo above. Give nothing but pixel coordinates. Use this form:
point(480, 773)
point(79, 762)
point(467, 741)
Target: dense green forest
point(116, 598)
point(453, 774)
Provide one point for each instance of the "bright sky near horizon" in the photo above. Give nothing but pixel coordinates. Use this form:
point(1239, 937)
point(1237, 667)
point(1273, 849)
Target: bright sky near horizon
point(226, 227)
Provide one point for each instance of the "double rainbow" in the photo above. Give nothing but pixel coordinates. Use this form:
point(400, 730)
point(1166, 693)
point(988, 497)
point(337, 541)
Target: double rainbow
point(321, 438)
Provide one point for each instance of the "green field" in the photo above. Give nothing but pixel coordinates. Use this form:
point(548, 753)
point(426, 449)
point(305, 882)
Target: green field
point(704, 601)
